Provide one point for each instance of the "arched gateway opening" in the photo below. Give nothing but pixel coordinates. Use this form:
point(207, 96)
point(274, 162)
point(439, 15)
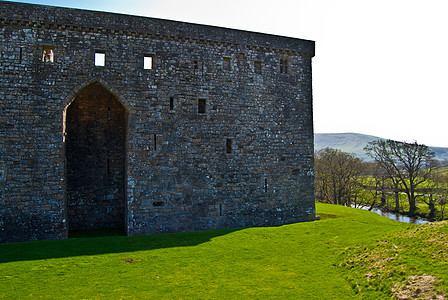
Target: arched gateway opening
point(95, 136)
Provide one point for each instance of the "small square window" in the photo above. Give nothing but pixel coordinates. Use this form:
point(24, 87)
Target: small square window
point(100, 59)
point(148, 62)
point(202, 106)
point(226, 63)
point(48, 54)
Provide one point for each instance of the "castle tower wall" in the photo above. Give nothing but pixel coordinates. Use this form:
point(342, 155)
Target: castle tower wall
point(216, 125)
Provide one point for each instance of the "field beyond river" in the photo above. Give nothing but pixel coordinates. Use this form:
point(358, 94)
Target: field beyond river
point(348, 254)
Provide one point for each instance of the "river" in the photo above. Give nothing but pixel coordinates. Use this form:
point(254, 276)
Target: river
point(397, 217)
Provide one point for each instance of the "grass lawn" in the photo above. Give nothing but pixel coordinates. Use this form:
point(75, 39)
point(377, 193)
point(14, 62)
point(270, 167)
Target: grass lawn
point(297, 261)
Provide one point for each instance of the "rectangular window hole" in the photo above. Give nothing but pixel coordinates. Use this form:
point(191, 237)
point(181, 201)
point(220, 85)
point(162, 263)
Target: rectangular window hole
point(148, 62)
point(284, 65)
point(257, 66)
point(171, 103)
point(47, 54)
point(228, 145)
point(158, 203)
point(100, 59)
point(202, 103)
point(155, 142)
point(226, 63)
point(265, 185)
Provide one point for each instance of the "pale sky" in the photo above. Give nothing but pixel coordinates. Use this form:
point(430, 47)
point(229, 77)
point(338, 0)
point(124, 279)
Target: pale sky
point(381, 67)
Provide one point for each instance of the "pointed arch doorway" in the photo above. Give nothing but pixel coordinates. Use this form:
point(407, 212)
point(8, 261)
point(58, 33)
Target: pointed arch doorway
point(95, 149)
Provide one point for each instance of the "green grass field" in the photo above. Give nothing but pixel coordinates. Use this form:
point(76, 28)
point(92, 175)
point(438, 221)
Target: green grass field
point(315, 260)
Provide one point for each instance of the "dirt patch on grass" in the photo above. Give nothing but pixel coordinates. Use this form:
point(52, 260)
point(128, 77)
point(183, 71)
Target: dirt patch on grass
point(395, 264)
point(417, 287)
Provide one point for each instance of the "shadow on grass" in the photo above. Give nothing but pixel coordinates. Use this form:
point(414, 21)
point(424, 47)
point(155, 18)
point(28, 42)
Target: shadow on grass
point(104, 245)
point(96, 233)
point(324, 216)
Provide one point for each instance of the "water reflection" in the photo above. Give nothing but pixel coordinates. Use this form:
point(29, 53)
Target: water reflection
point(397, 217)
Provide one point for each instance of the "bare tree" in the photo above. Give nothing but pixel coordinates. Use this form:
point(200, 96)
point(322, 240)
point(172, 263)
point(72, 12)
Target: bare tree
point(337, 176)
point(410, 163)
point(443, 203)
point(434, 189)
point(374, 183)
point(438, 194)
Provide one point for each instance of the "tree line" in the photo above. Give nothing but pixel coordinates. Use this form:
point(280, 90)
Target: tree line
point(399, 170)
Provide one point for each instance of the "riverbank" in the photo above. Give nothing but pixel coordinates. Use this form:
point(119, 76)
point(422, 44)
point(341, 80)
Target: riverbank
point(396, 216)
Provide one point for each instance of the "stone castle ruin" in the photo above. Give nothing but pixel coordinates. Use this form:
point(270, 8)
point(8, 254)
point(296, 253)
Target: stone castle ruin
point(149, 125)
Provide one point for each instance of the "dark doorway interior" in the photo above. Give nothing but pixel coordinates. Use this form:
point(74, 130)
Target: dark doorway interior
point(95, 150)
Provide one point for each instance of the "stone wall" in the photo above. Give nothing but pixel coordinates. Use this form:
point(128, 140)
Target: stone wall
point(215, 131)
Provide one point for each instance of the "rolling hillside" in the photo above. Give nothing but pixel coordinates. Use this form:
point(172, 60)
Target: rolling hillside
point(355, 143)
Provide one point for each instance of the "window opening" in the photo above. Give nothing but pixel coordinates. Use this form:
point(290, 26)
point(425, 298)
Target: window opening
point(195, 65)
point(228, 145)
point(284, 65)
point(108, 115)
point(20, 55)
point(171, 103)
point(202, 106)
point(155, 142)
point(100, 59)
point(265, 185)
point(257, 65)
point(47, 56)
point(148, 62)
point(220, 210)
point(108, 166)
point(226, 63)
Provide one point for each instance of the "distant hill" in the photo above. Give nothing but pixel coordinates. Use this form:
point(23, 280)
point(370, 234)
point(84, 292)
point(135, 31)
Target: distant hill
point(355, 143)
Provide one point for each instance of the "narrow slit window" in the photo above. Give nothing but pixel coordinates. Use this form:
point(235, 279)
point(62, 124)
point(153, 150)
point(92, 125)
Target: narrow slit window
point(148, 62)
point(171, 103)
point(100, 59)
point(195, 65)
point(226, 63)
point(265, 185)
point(108, 115)
point(220, 210)
point(257, 67)
point(108, 166)
point(202, 103)
point(155, 142)
point(228, 145)
point(47, 54)
point(21, 55)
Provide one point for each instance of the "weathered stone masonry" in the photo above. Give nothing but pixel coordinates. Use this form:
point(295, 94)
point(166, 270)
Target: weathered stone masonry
point(181, 127)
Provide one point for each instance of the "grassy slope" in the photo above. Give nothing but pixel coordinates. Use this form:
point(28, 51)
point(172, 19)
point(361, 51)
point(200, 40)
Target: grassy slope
point(409, 264)
point(298, 261)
